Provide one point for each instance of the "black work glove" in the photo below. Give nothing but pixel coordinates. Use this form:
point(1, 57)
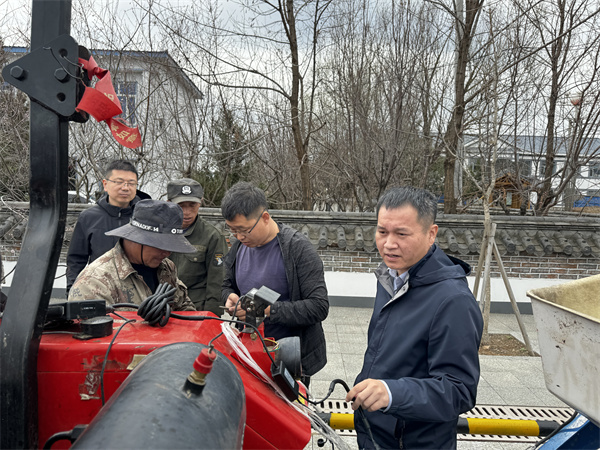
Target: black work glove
point(155, 309)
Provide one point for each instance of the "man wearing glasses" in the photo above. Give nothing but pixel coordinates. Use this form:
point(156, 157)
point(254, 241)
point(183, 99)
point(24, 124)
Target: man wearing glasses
point(112, 210)
point(268, 253)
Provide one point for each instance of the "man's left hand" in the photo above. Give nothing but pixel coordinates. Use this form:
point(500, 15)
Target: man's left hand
point(371, 394)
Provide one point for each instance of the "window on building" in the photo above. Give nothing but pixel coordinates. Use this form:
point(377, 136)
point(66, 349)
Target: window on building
point(127, 93)
point(594, 170)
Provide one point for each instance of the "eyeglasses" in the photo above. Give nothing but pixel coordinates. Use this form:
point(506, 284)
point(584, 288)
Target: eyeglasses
point(246, 233)
point(120, 183)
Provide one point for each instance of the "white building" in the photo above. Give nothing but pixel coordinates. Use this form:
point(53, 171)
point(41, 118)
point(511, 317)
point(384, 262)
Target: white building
point(158, 97)
point(524, 156)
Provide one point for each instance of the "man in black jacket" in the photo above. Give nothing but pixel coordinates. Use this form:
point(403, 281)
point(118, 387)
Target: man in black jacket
point(268, 253)
point(421, 367)
point(113, 210)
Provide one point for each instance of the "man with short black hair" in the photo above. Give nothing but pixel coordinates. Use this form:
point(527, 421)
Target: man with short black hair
point(421, 367)
point(272, 254)
point(133, 269)
point(112, 210)
point(201, 271)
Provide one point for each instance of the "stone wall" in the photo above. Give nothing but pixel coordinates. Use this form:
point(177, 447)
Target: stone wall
point(561, 247)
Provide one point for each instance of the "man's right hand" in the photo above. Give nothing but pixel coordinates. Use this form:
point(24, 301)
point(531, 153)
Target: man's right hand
point(230, 305)
point(371, 394)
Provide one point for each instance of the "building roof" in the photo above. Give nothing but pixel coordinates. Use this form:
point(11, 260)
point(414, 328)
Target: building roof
point(163, 56)
point(567, 235)
point(536, 145)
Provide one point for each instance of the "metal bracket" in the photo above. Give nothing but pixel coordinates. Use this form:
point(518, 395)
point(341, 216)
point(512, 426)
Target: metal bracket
point(48, 75)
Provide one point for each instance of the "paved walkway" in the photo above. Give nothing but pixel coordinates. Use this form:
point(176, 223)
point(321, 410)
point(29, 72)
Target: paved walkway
point(505, 380)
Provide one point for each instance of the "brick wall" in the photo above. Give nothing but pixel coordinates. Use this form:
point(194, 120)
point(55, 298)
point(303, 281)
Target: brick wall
point(517, 266)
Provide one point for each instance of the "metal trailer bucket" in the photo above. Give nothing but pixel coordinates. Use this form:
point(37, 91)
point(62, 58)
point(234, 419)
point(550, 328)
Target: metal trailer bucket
point(567, 317)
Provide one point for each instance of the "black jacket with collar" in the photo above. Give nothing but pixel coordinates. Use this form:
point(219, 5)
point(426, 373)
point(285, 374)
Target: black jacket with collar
point(89, 241)
point(423, 342)
point(308, 305)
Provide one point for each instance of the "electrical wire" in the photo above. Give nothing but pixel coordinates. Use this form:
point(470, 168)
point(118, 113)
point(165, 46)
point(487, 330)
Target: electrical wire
point(106, 358)
point(119, 315)
point(210, 344)
point(556, 430)
point(61, 436)
point(360, 412)
point(60, 332)
point(71, 436)
point(156, 310)
point(329, 392)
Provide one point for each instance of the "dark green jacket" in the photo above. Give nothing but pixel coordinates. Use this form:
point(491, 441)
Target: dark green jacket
point(202, 271)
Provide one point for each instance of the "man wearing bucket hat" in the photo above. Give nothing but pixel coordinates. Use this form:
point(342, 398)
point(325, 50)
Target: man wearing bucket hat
point(137, 264)
point(201, 271)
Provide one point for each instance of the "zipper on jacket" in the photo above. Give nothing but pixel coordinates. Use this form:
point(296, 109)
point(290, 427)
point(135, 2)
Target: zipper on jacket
point(399, 432)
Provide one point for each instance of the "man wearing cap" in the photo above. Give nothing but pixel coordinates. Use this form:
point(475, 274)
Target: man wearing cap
point(201, 271)
point(137, 264)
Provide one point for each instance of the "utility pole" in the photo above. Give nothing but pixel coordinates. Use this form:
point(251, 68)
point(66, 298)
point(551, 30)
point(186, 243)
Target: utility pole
point(571, 160)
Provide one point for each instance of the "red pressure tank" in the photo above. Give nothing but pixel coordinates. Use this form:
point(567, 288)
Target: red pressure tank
point(71, 381)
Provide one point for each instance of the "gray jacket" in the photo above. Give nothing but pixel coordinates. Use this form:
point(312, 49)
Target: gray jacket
point(308, 305)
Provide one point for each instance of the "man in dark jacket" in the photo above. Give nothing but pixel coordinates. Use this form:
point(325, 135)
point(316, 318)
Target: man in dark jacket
point(271, 254)
point(113, 210)
point(421, 367)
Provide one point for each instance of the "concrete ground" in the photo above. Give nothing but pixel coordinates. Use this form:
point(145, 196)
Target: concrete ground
point(505, 380)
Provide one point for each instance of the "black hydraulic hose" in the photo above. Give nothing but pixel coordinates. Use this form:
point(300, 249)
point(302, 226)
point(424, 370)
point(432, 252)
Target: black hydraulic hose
point(71, 436)
point(61, 436)
point(360, 412)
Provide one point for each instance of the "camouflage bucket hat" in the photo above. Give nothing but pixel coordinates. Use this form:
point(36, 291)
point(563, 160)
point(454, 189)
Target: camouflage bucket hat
point(156, 223)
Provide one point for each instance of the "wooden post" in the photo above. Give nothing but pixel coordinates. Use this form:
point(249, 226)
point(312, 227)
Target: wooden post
point(513, 302)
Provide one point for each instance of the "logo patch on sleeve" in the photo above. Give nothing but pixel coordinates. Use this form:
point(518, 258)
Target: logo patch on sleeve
point(218, 261)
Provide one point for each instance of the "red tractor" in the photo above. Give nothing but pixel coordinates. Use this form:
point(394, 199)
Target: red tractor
point(101, 379)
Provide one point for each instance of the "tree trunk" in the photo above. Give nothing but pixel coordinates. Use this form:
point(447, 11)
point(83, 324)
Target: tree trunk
point(299, 144)
point(454, 131)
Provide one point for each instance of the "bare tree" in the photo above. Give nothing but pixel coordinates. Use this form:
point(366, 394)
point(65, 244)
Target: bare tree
point(571, 51)
point(14, 140)
point(465, 16)
point(268, 47)
point(382, 101)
